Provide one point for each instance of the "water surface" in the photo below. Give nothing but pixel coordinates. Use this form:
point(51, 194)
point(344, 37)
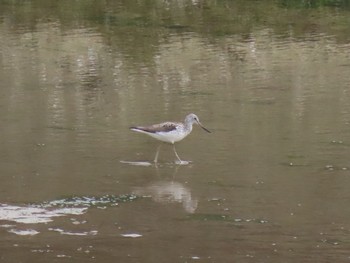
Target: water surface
point(269, 78)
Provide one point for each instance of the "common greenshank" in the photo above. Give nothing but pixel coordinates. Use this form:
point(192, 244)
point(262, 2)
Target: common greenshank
point(170, 132)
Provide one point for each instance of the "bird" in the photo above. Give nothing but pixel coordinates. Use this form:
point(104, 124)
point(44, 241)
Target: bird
point(170, 132)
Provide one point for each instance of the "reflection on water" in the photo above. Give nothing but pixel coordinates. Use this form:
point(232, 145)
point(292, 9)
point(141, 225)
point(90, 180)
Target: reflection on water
point(133, 235)
point(137, 163)
point(169, 192)
point(271, 78)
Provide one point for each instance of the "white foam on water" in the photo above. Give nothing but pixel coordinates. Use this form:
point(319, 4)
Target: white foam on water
point(35, 215)
point(27, 232)
point(69, 233)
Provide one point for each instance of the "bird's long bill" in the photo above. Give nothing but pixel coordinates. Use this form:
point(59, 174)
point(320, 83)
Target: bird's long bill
point(203, 127)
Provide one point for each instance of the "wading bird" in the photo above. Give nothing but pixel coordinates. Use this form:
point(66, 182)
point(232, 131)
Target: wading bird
point(170, 132)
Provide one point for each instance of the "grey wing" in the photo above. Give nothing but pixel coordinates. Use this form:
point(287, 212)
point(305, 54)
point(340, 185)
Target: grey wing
point(162, 127)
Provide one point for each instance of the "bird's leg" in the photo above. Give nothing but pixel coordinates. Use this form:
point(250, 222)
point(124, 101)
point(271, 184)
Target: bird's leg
point(176, 154)
point(157, 153)
point(179, 160)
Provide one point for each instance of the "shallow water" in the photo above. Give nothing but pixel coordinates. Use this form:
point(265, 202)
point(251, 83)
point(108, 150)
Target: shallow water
point(269, 79)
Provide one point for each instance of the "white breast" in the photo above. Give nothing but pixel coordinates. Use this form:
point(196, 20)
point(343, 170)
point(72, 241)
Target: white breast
point(169, 137)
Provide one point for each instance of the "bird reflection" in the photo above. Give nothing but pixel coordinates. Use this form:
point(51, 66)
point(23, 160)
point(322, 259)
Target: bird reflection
point(169, 192)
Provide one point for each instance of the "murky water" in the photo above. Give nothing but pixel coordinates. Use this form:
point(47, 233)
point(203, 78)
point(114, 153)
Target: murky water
point(269, 78)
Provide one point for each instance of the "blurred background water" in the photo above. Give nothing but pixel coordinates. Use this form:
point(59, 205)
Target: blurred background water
point(269, 78)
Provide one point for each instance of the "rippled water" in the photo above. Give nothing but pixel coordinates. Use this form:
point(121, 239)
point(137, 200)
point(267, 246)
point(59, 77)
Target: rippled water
point(270, 79)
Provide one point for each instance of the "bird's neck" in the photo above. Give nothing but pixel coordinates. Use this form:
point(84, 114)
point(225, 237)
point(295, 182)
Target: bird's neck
point(188, 126)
